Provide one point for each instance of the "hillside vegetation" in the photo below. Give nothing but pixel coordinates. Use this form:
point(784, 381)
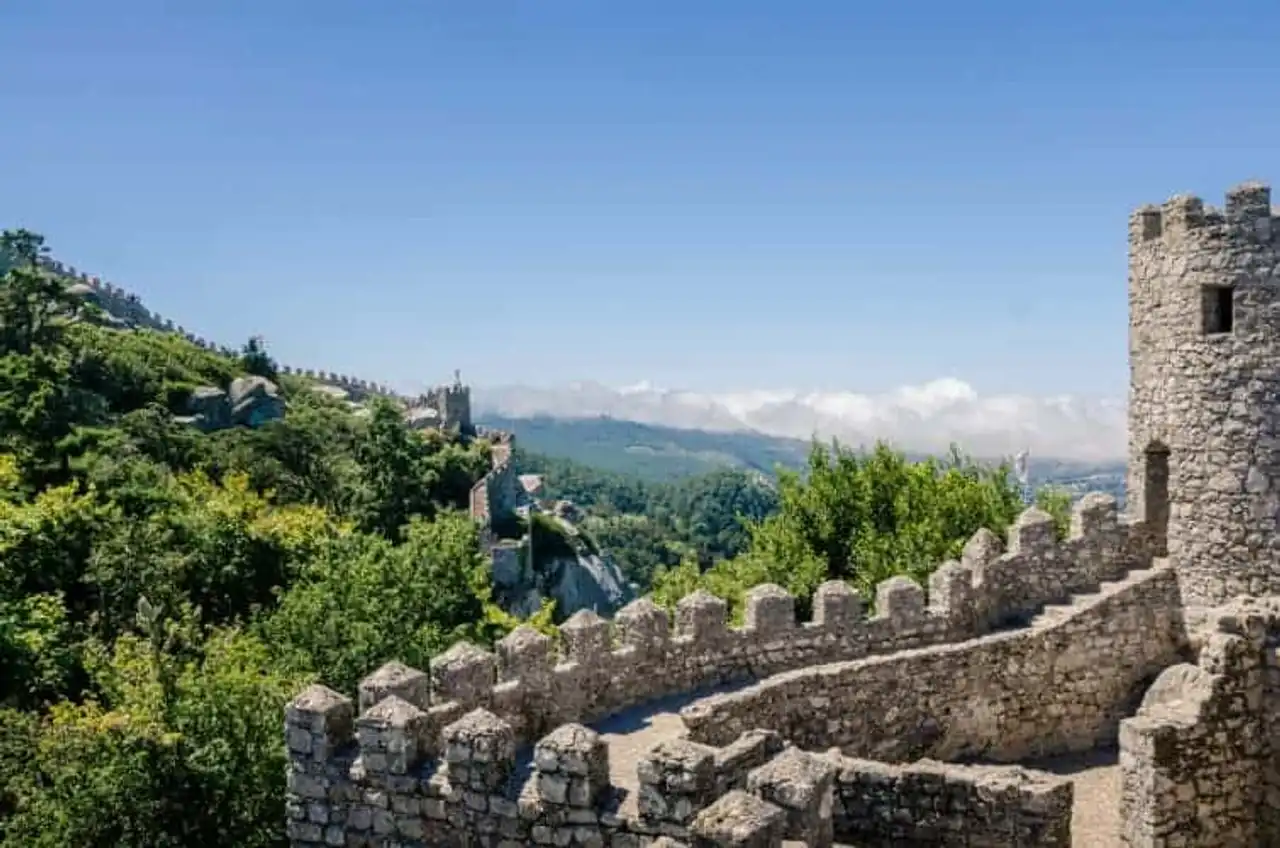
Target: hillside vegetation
point(164, 591)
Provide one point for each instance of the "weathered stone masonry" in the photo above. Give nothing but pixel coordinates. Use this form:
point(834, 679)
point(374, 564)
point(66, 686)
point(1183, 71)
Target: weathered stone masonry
point(1201, 759)
point(1062, 687)
point(414, 743)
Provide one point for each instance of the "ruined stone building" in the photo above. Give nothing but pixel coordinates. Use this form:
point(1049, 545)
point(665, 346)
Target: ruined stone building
point(902, 719)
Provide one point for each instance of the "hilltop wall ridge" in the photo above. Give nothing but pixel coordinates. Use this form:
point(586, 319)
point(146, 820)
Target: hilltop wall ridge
point(128, 307)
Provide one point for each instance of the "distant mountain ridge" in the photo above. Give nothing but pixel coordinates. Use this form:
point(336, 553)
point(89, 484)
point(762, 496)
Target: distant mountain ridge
point(926, 418)
point(660, 453)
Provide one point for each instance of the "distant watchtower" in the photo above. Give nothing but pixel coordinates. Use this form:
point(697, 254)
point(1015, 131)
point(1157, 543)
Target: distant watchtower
point(454, 403)
point(1204, 390)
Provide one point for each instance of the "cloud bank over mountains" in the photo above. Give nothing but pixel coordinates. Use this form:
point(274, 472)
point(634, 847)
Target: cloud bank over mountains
point(926, 417)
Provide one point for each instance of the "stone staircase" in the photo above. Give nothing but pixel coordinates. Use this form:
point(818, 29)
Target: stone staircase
point(1053, 613)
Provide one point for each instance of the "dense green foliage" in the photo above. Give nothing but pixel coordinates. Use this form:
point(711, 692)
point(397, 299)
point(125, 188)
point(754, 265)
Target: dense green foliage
point(863, 518)
point(859, 517)
point(647, 526)
point(164, 591)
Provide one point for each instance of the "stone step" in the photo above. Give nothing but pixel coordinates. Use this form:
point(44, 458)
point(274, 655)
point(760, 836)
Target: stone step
point(1052, 613)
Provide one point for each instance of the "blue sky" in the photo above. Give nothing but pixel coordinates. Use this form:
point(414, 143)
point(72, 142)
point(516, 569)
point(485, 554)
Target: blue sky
point(710, 195)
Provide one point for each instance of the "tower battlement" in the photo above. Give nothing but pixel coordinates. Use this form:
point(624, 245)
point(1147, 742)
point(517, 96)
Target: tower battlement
point(1247, 212)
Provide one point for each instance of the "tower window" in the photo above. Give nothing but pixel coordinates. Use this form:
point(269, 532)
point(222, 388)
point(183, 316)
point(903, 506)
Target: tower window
point(1217, 304)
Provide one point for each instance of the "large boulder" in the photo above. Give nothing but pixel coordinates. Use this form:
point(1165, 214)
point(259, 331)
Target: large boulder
point(251, 402)
point(254, 401)
point(209, 409)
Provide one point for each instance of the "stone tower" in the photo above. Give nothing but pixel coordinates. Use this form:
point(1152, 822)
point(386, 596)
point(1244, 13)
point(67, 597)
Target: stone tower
point(1204, 390)
point(454, 404)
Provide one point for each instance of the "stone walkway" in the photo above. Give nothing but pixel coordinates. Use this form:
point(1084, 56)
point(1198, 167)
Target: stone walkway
point(1095, 821)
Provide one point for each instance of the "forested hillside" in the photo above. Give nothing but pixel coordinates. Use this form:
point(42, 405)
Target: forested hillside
point(164, 591)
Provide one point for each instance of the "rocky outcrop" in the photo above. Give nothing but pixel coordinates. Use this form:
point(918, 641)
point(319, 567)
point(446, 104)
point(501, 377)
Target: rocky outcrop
point(583, 580)
point(249, 402)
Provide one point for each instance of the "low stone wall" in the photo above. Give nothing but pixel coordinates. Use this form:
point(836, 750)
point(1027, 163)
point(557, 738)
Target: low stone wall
point(754, 792)
point(1062, 686)
point(939, 804)
point(595, 669)
point(1201, 759)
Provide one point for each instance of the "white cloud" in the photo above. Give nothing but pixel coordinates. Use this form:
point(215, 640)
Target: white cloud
point(926, 417)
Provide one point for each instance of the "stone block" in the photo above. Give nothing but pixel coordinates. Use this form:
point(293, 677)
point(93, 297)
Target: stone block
point(395, 678)
point(318, 721)
point(393, 736)
point(465, 674)
point(585, 636)
point(900, 598)
point(982, 549)
point(573, 767)
point(770, 610)
point(739, 820)
point(1096, 514)
point(643, 625)
point(479, 752)
point(526, 655)
point(837, 606)
point(702, 616)
point(951, 595)
point(801, 784)
point(1034, 531)
point(677, 779)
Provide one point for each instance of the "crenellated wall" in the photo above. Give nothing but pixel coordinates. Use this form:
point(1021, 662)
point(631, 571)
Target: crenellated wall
point(366, 781)
point(1061, 686)
point(594, 669)
point(1201, 759)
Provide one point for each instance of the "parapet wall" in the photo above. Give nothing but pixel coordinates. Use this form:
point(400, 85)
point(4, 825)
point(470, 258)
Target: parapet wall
point(757, 791)
point(1061, 686)
point(594, 669)
point(940, 804)
point(1201, 759)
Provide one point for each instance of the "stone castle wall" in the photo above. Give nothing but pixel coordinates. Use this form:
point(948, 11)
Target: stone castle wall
point(495, 494)
point(1060, 687)
point(439, 746)
point(1201, 759)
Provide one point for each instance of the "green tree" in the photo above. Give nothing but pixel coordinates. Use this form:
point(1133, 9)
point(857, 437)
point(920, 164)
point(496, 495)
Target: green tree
point(364, 601)
point(34, 303)
point(254, 358)
point(396, 480)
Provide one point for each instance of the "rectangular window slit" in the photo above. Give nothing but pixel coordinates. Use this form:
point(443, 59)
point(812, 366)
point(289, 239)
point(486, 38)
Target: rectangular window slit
point(1218, 305)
